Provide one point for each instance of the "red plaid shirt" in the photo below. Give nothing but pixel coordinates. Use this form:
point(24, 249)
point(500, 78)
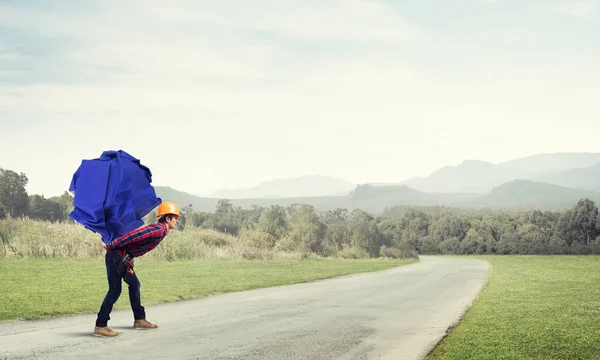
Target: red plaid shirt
point(139, 241)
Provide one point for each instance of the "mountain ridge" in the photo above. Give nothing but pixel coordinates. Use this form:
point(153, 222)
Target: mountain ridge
point(300, 186)
point(513, 195)
point(477, 176)
point(555, 182)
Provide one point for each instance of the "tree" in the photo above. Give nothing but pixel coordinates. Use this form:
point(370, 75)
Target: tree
point(390, 231)
point(66, 204)
point(273, 221)
point(365, 235)
point(200, 219)
point(415, 224)
point(544, 220)
point(444, 227)
point(306, 231)
point(578, 224)
point(585, 215)
point(485, 235)
point(227, 218)
point(45, 209)
point(337, 233)
point(13, 195)
point(450, 246)
point(509, 239)
point(532, 240)
point(557, 246)
point(565, 228)
point(185, 211)
point(251, 217)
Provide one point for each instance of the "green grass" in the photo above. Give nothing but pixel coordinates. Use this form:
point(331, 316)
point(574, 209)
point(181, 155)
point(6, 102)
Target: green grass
point(533, 307)
point(42, 288)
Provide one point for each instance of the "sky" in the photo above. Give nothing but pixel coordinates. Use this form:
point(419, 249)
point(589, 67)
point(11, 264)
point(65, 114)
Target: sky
point(228, 94)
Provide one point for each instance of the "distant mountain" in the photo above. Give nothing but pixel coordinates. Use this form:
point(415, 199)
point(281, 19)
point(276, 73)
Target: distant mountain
point(376, 198)
point(513, 195)
point(587, 178)
point(475, 176)
point(545, 163)
point(527, 195)
point(545, 182)
point(471, 176)
point(209, 204)
point(303, 186)
point(183, 199)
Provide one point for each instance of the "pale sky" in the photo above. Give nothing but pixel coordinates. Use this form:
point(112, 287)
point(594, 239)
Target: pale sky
point(227, 94)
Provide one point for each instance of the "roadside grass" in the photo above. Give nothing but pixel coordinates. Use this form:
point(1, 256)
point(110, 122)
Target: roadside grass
point(43, 288)
point(533, 307)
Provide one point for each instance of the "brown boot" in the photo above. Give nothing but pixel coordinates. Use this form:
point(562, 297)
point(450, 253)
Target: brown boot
point(143, 324)
point(105, 331)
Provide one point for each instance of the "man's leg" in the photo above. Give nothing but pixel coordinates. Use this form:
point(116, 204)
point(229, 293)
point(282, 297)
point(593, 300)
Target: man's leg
point(139, 313)
point(114, 291)
point(135, 296)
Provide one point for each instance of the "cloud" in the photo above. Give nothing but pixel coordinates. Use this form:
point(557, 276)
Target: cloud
point(7, 57)
point(179, 56)
point(280, 88)
point(340, 20)
point(581, 9)
point(192, 42)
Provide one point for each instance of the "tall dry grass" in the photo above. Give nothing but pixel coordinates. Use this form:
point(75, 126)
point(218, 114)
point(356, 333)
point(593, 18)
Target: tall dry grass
point(27, 238)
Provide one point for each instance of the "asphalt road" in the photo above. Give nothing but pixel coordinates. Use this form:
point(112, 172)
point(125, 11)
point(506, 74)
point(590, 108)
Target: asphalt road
point(393, 314)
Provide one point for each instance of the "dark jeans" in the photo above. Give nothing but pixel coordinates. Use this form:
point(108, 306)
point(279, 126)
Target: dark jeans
point(114, 290)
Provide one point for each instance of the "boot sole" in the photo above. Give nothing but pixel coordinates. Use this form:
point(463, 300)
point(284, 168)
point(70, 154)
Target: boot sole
point(106, 336)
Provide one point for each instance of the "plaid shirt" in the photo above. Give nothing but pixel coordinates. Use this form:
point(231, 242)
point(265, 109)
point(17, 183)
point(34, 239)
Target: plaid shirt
point(139, 241)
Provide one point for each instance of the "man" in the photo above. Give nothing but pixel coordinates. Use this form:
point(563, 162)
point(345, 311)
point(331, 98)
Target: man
point(133, 244)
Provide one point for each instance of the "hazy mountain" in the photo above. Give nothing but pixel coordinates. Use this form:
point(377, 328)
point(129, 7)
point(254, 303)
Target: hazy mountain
point(545, 182)
point(514, 195)
point(208, 204)
point(474, 176)
point(471, 176)
point(377, 198)
point(183, 198)
point(303, 186)
point(545, 163)
point(587, 178)
point(527, 194)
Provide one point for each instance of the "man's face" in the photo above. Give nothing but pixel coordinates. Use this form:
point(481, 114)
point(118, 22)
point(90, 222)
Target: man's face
point(172, 222)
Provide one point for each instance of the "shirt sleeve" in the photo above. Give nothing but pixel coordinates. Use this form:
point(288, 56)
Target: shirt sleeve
point(134, 236)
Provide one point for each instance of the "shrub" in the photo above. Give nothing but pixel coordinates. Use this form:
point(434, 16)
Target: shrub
point(407, 251)
point(258, 239)
point(390, 252)
point(352, 252)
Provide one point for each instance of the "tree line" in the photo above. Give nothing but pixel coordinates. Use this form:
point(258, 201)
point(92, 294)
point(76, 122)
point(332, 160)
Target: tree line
point(16, 202)
point(423, 230)
point(397, 231)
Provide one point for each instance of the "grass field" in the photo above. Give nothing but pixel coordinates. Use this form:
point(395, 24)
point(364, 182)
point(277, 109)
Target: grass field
point(533, 307)
point(42, 288)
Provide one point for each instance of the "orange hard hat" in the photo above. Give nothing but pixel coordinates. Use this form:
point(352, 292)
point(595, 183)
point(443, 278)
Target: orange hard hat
point(168, 208)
